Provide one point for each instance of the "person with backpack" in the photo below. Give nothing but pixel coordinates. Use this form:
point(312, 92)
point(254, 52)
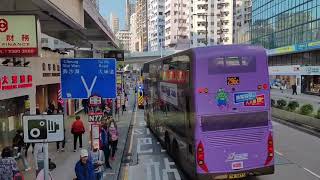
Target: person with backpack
point(114, 134)
point(8, 165)
point(84, 168)
point(105, 143)
point(77, 129)
point(97, 157)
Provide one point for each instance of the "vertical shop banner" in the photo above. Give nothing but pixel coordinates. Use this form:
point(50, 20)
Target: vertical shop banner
point(18, 36)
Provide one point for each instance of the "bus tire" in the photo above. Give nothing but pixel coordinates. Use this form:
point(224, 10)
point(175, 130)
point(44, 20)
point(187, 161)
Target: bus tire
point(167, 142)
point(175, 150)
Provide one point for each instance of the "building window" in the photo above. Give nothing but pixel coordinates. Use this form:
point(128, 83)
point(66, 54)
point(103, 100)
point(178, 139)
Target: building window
point(49, 67)
point(43, 66)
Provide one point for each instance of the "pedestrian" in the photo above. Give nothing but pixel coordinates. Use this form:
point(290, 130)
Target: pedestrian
point(98, 160)
point(27, 148)
point(60, 108)
point(77, 130)
point(39, 157)
point(114, 134)
point(51, 108)
point(85, 105)
point(123, 103)
point(18, 145)
point(105, 143)
point(294, 89)
point(52, 166)
point(8, 165)
point(63, 143)
point(84, 168)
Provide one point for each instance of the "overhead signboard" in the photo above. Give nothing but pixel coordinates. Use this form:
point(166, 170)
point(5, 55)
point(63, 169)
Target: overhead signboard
point(18, 36)
point(80, 78)
point(43, 128)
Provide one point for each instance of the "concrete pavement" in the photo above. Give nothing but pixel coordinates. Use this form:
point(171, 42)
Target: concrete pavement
point(146, 160)
point(296, 155)
point(66, 161)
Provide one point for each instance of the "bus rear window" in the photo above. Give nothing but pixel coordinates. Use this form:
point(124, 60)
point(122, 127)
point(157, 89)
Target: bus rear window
point(232, 64)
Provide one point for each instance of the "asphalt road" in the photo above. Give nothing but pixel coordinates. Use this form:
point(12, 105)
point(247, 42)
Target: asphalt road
point(296, 156)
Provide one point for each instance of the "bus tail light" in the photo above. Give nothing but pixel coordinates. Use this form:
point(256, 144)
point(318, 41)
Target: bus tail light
point(270, 150)
point(265, 86)
point(200, 157)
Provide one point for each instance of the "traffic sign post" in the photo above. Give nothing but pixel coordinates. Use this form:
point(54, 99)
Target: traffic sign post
point(95, 117)
point(80, 78)
point(43, 129)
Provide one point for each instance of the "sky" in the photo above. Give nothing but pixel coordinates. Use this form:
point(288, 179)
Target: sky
point(117, 7)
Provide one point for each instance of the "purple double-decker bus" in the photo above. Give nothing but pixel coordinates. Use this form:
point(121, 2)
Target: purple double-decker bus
point(210, 108)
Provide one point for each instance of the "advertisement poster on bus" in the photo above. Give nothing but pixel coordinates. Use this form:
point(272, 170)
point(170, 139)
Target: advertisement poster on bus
point(259, 101)
point(169, 92)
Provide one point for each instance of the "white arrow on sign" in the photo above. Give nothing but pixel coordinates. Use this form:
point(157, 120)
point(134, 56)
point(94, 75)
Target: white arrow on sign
point(89, 91)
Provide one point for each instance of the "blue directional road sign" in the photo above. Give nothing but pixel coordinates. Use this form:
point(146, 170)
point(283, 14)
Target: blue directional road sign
point(82, 77)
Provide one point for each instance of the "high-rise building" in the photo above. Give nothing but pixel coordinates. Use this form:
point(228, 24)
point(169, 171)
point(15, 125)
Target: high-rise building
point(125, 39)
point(211, 22)
point(134, 47)
point(114, 20)
point(291, 31)
point(130, 9)
point(242, 12)
point(177, 32)
point(156, 24)
point(142, 24)
point(96, 4)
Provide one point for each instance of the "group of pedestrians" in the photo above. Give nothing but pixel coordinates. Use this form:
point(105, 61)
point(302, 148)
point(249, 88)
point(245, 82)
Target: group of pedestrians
point(91, 165)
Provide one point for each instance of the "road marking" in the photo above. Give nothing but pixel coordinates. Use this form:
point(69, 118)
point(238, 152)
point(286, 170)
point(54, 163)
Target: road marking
point(279, 153)
point(148, 131)
point(316, 175)
point(156, 166)
point(126, 172)
point(131, 138)
point(168, 170)
point(144, 141)
point(138, 131)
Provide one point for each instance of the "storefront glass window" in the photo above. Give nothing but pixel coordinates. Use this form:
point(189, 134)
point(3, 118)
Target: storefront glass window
point(11, 111)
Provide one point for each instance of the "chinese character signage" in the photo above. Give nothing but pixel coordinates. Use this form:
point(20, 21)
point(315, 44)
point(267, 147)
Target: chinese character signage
point(259, 101)
point(15, 82)
point(18, 36)
point(83, 77)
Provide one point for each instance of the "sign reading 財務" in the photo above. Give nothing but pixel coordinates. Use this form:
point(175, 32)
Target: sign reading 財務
point(18, 36)
point(80, 78)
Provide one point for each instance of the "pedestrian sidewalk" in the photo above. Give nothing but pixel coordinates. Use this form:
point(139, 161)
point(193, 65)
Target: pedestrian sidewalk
point(301, 98)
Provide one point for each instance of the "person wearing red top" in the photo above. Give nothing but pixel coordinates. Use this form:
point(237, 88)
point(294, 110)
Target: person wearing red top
point(77, 130)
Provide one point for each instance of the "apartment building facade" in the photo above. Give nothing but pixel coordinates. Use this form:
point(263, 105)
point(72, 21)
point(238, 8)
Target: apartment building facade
point(156, 24)
point(242, 20)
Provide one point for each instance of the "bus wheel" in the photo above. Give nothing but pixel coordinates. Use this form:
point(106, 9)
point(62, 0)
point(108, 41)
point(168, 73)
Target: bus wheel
point(167, 142)
point(175, 150)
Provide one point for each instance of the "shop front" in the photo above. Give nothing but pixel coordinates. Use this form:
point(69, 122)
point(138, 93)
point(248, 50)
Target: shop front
point(17, 96)
point(284, 77)
point(311, 80)
point(307, 78)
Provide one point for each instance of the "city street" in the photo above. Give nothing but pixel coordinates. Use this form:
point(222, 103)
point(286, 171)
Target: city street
point(295, 156)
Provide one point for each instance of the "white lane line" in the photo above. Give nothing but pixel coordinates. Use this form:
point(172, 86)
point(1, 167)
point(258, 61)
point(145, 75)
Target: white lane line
point(148, 131)
point(316, 175)
point(279, 153)
point(131, 138)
